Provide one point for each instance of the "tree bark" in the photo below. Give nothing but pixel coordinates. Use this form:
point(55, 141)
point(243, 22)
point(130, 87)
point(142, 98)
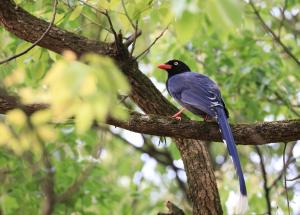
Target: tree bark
point(244, 134)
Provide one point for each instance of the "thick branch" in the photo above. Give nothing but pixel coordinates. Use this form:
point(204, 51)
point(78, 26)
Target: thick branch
point(245, 134)
point(30, 28)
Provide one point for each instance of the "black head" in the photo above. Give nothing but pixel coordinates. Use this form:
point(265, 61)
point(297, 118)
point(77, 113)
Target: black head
point(174, 67)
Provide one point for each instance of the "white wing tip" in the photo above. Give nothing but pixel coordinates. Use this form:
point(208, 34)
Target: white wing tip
point(242, 205)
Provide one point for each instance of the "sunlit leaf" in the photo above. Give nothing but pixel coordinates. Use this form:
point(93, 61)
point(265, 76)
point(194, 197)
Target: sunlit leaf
point(16, 117)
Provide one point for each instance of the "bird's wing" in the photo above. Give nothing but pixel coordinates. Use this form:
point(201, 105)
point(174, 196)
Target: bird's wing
point(197, 91)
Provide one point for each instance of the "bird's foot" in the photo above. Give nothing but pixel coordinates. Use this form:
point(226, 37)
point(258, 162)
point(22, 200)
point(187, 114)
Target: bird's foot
point(177, 115)
point(206, 118)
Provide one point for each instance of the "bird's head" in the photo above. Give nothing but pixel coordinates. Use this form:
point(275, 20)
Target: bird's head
point(174, 67)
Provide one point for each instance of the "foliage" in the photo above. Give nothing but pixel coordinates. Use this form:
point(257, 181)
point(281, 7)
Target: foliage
point(223, 39)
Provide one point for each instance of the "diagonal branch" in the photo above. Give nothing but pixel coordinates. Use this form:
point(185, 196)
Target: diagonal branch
point(275, 37)
point(162, 157)
point(153, 43)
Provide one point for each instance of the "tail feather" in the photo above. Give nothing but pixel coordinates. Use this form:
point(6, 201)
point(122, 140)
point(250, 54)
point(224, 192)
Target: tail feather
point(228, 139)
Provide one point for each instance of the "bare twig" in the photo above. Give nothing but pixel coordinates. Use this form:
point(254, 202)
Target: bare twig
point(132, 38)
point(127, 15)
point(276, 38)
point(111, 26)
point(152, 44)
point(293, 179)
point(287, 103)
point(134, 41)
point(105, 13)
point(285, 184)
point(37, 41)
point(162, 157)
point(95, 23)
point(264, 174)
point(290, 159)
point(134, 26)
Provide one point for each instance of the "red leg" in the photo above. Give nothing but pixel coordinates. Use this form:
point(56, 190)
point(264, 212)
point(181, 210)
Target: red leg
point(206, 118)
point(177, 115)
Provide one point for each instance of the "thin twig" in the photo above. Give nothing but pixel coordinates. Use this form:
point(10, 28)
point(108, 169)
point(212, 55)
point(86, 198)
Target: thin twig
point(152, 44)
point(134, 41)
point(285, 184)
point(162, 157)
point(127, 15)
point(134, 26)
point(111, 26)
point(91, 6)
point(290, 159)
point(286, 102)
point(264, 174)
point(276, 38)
point(37, 41)
point(293, 179)
point(132, 38)
point(106, 14)
point(95, 23)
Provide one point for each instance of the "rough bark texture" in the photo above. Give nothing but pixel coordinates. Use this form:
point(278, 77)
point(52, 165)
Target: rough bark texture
point(201, 179)
point(245, 134)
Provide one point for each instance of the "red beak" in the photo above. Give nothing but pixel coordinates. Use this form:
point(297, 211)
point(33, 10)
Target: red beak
point(164, 66)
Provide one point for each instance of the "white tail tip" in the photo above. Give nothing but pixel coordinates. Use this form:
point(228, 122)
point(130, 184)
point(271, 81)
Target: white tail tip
point(242, 205)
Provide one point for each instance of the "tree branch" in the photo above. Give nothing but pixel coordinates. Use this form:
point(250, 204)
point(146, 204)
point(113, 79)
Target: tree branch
point(245, 134)
point(276, 38)
point(290, 160)
point(162, 157)
point(153, 43)
point(284, 177)
point(265, 177)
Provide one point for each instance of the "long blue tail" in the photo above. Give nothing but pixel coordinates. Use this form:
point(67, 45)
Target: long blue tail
point(228, 138)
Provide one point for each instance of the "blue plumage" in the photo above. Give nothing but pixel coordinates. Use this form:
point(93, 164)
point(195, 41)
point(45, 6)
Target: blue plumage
point(200, 95)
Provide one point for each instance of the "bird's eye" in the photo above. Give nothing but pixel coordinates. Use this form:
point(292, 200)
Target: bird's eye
point(175, 63)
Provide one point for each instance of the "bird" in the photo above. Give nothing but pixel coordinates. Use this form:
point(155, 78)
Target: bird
point(200, 95)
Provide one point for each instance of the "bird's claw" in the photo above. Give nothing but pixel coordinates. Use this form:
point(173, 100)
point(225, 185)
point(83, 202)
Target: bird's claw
point(176, 117)
point(206, 118)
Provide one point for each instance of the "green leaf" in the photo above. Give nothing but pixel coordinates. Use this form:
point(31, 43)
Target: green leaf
point(9, 204)
point(185, 27)
point(76, 13)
